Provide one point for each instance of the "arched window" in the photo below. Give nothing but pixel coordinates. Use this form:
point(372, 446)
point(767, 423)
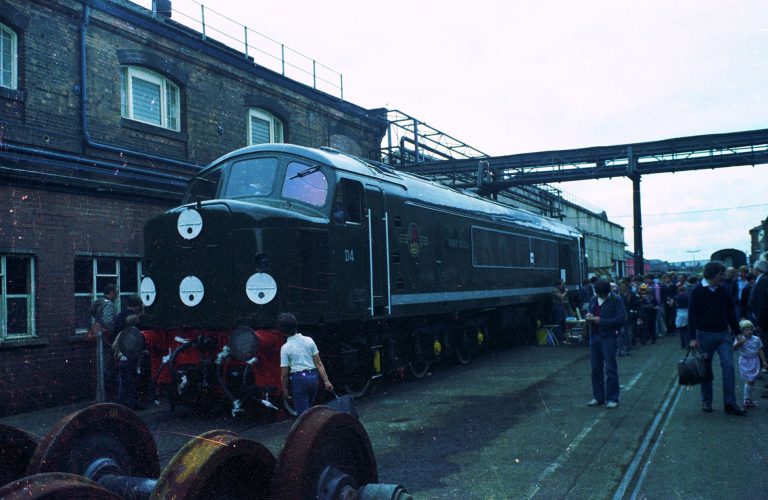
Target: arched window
point(9, 56)
point(263, 127)
point(149, 97)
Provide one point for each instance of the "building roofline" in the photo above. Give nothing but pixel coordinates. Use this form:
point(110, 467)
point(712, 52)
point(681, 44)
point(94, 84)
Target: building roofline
point(172, 30)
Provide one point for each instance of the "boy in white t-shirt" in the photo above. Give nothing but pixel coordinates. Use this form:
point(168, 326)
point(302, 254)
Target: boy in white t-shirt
point(300, 362)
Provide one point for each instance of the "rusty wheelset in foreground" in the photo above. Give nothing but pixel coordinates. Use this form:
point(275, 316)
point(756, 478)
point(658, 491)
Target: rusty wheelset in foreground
point(105, 451)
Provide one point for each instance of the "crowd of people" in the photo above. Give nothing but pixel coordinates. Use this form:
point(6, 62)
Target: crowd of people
point(721, 311)
point(121, 375)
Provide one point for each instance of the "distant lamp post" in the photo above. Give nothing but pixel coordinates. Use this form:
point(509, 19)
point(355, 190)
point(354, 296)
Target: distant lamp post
point(693, 256)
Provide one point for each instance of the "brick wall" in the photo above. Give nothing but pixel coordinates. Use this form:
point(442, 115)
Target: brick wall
point(54, 227)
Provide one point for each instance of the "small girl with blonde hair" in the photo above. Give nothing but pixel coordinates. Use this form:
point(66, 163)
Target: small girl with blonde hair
point(750, 349)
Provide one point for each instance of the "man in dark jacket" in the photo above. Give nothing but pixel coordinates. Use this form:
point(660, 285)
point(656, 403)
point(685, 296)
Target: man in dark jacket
point(605, 318)
point(757, 303)
point(758, 298)
point(127, 394)
point(710, 315)
point(103, 317)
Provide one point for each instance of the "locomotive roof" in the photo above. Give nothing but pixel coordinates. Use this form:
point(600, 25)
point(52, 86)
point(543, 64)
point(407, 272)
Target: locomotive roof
point(422, 190)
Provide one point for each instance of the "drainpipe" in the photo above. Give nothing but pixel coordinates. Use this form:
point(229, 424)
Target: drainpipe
point(87, 141)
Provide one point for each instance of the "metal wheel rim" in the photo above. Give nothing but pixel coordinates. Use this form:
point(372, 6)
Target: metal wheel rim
point(217, 464)
point(16, 450)
point(322, 437)
point(55, 486)
point(117, 425)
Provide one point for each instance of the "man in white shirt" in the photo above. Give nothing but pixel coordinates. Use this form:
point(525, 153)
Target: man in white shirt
point(300, 362)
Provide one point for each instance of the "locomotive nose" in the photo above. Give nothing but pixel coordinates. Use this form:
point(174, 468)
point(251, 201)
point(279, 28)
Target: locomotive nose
point(188, 266)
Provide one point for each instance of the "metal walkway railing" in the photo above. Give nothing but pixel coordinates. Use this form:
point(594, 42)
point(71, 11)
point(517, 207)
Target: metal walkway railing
point(262, 49)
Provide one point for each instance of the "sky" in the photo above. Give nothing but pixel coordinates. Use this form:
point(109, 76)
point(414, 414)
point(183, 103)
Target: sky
point(509, 76)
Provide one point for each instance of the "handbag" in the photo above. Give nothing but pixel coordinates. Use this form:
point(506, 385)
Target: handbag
point(694, 369)
point(344, 404)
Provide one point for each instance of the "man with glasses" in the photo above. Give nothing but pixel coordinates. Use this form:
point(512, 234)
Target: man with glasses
point(710, 315)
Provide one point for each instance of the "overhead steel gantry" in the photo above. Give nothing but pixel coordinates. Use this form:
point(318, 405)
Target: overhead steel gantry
point(494, 174)
point(410, 141)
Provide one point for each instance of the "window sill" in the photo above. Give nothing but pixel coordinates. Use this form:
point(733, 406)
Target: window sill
point(152, 129)
point(79, 337)
point(22, 342)
point(12, 95)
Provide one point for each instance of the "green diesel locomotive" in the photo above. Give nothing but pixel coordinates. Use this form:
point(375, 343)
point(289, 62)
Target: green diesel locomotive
point(387, 271)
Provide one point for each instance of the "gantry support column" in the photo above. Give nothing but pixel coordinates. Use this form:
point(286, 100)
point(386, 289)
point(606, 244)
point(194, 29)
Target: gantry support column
point(636, 211)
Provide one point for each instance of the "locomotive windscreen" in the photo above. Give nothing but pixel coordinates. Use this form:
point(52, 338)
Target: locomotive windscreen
point(251, 177)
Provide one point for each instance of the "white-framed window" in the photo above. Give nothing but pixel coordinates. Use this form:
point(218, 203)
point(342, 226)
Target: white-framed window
point(263, 127)
point(93, 273)
point(9, 57)
point(17, 307)
point(148, 97)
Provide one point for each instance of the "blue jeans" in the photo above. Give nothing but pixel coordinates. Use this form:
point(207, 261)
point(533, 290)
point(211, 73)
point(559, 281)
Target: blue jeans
point(605, 372)
point(720, 342)
point(625, 337)
point(126, 389)
point(304, 389)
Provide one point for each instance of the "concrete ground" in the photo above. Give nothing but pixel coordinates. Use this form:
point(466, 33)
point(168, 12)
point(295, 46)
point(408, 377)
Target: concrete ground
point(514, 424)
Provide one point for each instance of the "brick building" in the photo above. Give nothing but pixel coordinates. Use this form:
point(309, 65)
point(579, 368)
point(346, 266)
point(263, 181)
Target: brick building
point(105, 111)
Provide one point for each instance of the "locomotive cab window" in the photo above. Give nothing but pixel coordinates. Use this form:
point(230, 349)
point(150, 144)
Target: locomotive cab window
point(305, 183)
point(347, 203)
point(251, 177)
point(204, 187)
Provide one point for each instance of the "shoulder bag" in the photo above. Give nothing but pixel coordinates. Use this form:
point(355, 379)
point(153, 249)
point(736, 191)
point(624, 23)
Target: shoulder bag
point(344, 404)
point(695, 368)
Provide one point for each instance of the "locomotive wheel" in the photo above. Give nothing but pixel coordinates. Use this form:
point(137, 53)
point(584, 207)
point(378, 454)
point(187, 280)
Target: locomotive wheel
point(420, 354)
point(419, 369)
point(358, 386)
point(99, 431)
point(320, 438)
point(464, 346)
point(356, 368)
point(55, 486)
point(217, 464)
point(16, 450)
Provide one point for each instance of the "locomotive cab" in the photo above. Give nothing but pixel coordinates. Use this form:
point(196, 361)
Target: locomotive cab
point(254, 232)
